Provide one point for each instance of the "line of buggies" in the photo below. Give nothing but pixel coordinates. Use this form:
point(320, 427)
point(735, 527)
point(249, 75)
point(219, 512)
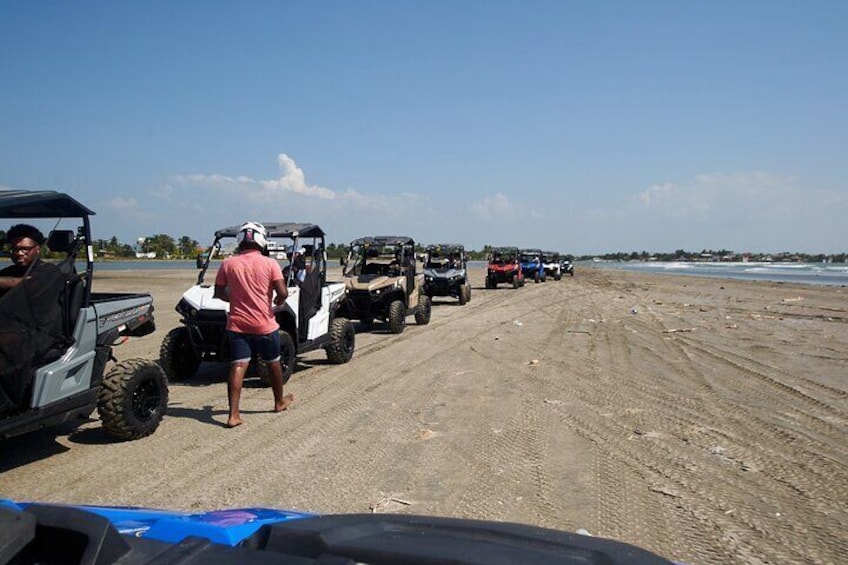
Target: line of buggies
point(513, 266)
point(381, 283)
point(65, 378)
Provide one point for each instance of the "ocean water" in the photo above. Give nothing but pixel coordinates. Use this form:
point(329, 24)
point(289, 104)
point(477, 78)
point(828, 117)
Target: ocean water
point(835, 274)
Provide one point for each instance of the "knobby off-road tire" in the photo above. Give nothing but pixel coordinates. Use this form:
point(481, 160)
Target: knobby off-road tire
point(177, 357)
point(396, 317)
point(490, 283)
point(544, 277)
point(515, 282)
point(342, 341)
point(288, 359)
point(462, 296)
point(466, 291)
point(133, 398)
point(558, 276)
point(425, 309)
point(536, 277)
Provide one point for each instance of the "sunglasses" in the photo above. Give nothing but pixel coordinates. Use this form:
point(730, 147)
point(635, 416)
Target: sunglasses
point(23, 248)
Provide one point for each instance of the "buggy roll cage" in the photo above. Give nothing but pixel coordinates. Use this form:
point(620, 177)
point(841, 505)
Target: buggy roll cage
point(49, 204)
point(276, 230)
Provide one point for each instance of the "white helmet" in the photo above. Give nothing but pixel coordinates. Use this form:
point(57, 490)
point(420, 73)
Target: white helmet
point(253, 232)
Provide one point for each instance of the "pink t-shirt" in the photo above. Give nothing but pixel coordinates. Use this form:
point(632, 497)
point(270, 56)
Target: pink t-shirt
point(249, 277)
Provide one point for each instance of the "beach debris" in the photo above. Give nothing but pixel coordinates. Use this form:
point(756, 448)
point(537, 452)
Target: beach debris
point(796, 299)
point(732, 326)
point(717, 450)
point(517, 323)
point(666, 491)
point(385, 502)
point(634, 310)
point(497, 338)
point(583, 532)
point(637, 431)
point(552, 401)
point(678, 330)
point(580, 332)
point(533, 362)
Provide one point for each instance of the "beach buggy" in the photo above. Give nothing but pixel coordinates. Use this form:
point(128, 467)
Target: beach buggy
point(504, 267)
point(552, 265)
point(309, 319)
point(54, 350)
point(382, 282)
point(445, 272)
point(531, 264)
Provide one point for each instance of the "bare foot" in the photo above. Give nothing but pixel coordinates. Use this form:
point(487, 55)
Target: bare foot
point(233, 422)
point(287, 399)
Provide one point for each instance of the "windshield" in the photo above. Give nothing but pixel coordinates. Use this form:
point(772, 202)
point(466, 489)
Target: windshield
point(502, 256)
point(444, 259)
point(377, 259)
point(296, 256)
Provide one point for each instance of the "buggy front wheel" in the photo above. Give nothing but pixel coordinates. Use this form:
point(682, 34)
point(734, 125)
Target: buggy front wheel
point(342, 341)
point(133, 398)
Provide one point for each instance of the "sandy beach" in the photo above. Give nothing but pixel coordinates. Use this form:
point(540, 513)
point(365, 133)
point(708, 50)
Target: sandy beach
point(702, 419)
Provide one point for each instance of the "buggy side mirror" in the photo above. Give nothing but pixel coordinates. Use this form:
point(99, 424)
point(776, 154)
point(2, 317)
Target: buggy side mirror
point(61, 241)
point(201, 260)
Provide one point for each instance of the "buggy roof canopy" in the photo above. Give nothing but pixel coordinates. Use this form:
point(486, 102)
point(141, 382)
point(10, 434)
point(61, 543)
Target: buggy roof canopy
point(531, 251)
point(277, 229)
point(40, 204)
point(446, 247)
point(384, 240)
point(550, 253)
point(504, 250)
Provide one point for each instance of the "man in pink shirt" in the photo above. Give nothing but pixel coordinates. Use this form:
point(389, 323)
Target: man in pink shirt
point(249, 281)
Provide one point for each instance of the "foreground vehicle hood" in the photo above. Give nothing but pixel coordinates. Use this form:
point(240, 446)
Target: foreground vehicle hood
point(444, 273)
point(227, 527)
point(37, 533)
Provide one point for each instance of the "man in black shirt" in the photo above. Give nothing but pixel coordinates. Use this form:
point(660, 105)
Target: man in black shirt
point(31, 332)
point(25, 246)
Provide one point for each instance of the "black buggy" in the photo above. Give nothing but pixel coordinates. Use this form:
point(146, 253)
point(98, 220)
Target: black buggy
point(445, 272)
point(56, 334)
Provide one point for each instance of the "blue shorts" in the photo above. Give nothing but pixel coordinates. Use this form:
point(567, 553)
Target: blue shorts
point(244, 346)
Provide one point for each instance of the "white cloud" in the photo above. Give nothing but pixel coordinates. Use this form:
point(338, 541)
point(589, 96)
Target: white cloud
point(752, 210)
point(292, 180)
point(122, 204)
point(491, 207)
point(706, 195)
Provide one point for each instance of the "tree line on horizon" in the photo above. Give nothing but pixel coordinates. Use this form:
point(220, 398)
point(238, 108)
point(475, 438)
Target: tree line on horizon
point(185, 247)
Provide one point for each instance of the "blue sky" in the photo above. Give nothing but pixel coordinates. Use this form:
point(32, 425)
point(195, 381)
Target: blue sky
point(579, 126)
